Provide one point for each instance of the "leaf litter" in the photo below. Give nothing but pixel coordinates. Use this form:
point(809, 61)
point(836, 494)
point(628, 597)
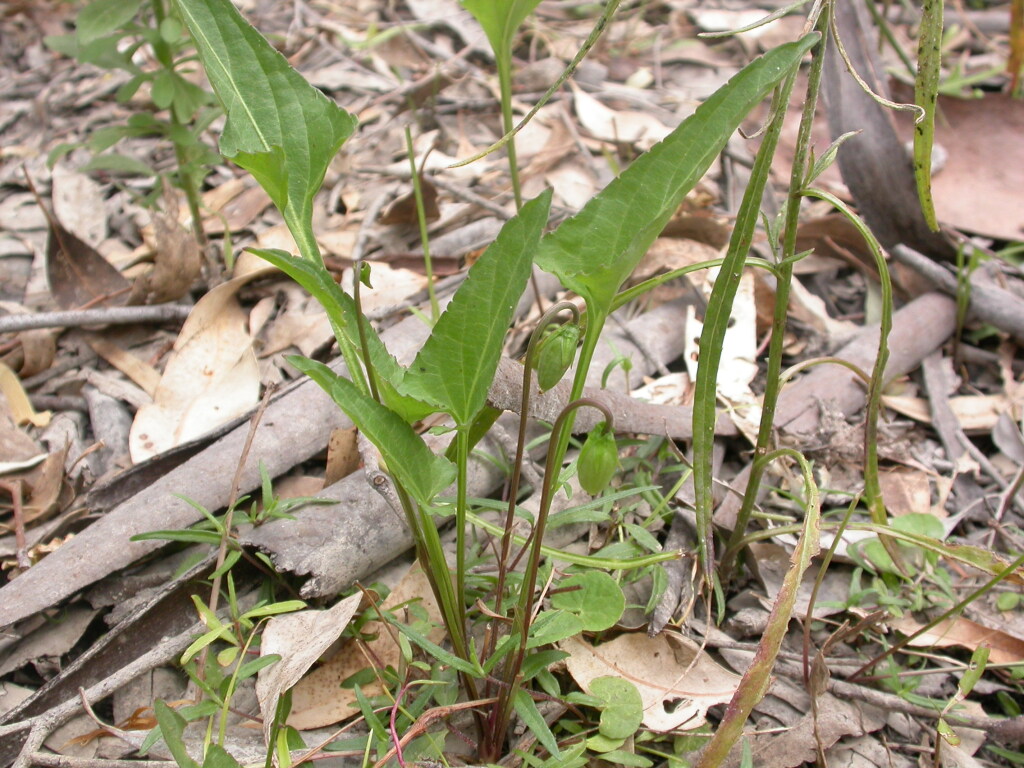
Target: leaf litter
point(626, 96)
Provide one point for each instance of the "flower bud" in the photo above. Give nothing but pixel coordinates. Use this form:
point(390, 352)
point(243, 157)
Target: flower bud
point(555, 354)
point(599, 458)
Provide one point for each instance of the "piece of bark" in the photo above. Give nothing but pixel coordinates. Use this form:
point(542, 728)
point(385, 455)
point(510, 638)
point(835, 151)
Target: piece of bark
point(168, 615)
point(988, 303)
point(294, 428)
point(875, 165)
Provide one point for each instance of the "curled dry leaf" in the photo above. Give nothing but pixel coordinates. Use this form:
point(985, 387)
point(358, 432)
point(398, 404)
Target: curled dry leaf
point(211, 376)
point(299, 639)
point(677, 681)
point(1004, 647)
point(177, 263)
point(17, 400)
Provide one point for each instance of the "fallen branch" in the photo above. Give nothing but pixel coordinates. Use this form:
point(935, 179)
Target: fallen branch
point(162, 313)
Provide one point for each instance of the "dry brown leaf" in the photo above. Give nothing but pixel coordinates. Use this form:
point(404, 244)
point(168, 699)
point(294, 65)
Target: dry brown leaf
point(18, 451)
point(34, 353)
point(391, 286)
point(573, 184)
point(177, 263)
point(906, 490)
point(300, 639)
point(976, 413)
point(239, 212)
point(342, 455)
point(18, 404)
point(1004, 647)
point(143, 374)
point(216, 198)
point(402, 211)
point(211, 376)
point(625, 126)
point(302, 324)
point(319, 700)
point(677, 681)
point(670, 253)
point(78, 275)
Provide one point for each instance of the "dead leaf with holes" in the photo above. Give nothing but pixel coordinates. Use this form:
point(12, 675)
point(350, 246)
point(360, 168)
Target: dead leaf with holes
point(319, 700)
point(677, 681)
point(211, 376)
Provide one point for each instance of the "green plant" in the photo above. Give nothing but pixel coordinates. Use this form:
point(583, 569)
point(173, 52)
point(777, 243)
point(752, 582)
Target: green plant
point(114, 35)
point(592, 253)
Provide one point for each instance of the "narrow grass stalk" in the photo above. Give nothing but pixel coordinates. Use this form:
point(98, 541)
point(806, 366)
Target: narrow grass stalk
point(755, 680)
point(421, 219)
point(784, 278)
point(872, 487)
point(716, 322)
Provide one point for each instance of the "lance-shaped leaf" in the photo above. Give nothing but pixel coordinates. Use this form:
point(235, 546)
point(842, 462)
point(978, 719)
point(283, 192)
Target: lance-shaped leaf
point(456, 366)
point(279, 127)
point(500, 20)
point(341, 310)
point(595, 251)
point(418, 469)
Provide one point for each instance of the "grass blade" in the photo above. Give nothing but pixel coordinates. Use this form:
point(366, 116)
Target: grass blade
point(926, 89)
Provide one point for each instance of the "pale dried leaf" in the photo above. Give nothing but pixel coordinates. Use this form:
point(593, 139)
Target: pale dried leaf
point(976, 413)
point(78, 205)
point(1004, 647)
point(300, 639)
point(143, 374)
point(319, 700)
point(18, 404)
point(677, 681)
point(625, 126)
point(211, 377)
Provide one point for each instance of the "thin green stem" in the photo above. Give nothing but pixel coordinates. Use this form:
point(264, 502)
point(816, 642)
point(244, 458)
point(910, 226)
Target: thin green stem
point(773, 379)
point(521, 619)
point(189, 182)
point(364, 343)
point(517, 465)
point(421, 218)
point(461, 465)
point(508, 122)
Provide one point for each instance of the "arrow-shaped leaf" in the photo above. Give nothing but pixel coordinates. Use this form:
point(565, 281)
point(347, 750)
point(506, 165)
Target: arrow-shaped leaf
point(455, 367)
point(595, 251)
point(279, 127)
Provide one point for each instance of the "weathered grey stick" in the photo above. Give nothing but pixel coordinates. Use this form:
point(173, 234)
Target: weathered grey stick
point(161, 313)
